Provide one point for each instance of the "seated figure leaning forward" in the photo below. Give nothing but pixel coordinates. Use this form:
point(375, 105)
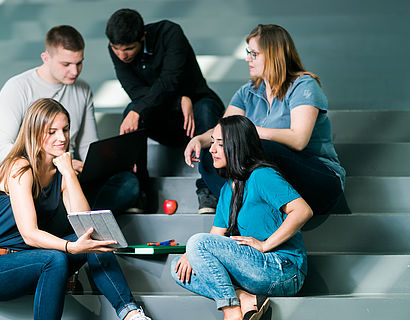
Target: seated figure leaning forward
point(255, 247)
point(36, 173)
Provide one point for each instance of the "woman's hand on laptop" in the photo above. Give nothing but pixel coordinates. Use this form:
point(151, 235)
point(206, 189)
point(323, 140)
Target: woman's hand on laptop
point(78, 166)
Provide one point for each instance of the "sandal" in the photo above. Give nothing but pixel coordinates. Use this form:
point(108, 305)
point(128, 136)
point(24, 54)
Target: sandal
point(262, 303)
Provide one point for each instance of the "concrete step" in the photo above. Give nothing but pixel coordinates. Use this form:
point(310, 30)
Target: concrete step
point(328, 274)
point(378, 194)
point(181, 307)
point(363, 194)
point(351, 234)
point(375, 159)
point(370, 126)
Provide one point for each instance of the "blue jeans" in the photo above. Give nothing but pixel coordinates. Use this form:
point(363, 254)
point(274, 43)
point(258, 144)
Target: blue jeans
point(42, 271)
point(221, 265)
point(46, 271)
point(118, 193)
point(317, 184)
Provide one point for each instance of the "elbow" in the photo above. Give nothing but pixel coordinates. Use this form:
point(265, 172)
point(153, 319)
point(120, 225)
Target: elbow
point(29, 240)
point(309, 214)
point(300, 144)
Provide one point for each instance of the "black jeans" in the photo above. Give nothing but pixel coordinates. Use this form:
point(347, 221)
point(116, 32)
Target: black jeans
point(316, 183)
point(165, 124)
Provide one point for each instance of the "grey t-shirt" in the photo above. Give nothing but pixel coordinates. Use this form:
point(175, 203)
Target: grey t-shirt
point(20, 91)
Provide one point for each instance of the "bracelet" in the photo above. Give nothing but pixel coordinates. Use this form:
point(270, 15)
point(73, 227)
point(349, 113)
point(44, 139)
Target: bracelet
point(66, 246)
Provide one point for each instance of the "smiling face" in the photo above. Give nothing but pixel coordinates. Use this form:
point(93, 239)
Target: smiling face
point(127, 53)
point(217, 148)
point(62, 65)
point(255, 58)
point(56, 138)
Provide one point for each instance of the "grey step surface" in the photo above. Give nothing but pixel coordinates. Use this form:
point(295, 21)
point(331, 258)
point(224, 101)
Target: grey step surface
point(326, 34)
point(177, 307)
point(329, 274)
point(333, 234)
point(370, 126)
point(364, 194)
point(375, 159)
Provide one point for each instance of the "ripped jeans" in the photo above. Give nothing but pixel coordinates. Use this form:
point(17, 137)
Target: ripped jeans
point(221, 266)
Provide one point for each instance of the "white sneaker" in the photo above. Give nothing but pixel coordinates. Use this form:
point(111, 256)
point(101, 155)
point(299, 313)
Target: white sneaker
point(140, 315)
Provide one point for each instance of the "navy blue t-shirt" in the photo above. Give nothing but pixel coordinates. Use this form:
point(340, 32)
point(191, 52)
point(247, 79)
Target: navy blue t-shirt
point(46, 207)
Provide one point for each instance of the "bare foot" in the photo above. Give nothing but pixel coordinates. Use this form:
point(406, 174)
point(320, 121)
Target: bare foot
point(232, 313)
point(248, 301)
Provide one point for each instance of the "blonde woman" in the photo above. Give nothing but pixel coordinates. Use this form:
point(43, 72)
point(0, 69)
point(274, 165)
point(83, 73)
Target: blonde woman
point(35, 174)
point(289, 109)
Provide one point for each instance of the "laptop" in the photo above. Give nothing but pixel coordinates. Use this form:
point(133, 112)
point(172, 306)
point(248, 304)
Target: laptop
point(110, 156)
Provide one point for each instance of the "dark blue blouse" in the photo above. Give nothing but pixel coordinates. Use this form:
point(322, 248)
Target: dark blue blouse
point(46, 207)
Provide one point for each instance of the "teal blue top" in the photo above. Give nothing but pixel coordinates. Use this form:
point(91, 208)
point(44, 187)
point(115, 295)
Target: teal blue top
point(260, 216)
point(303, 91)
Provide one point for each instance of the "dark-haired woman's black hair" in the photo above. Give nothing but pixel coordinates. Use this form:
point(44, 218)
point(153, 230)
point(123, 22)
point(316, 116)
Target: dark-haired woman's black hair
point(244, 153)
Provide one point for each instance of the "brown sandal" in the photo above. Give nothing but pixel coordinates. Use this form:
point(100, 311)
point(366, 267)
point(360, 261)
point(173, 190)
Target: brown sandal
point(262, 304)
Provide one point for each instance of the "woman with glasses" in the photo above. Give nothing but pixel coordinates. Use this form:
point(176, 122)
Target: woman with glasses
point(289, 110)
point(34, 176)
point(254, 248)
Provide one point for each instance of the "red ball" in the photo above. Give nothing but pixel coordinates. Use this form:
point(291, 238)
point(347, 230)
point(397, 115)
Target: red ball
point(170, 206)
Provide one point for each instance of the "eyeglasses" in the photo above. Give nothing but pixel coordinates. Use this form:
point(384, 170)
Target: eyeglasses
point(253, 54)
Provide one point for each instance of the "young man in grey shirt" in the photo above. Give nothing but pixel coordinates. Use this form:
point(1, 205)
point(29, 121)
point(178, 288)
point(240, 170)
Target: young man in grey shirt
point(57, 78)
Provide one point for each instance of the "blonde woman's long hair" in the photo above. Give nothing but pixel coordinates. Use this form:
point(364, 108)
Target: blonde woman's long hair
point(28, 144)
point(282, 62)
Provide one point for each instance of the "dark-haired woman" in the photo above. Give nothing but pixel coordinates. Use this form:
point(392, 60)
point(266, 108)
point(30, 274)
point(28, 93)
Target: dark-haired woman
point(255, 245)
point(36, 173)
point(289, 110)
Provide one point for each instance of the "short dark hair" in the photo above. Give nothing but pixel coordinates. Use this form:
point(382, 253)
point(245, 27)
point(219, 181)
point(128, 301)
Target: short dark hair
point(125, 26)
point(65, 36)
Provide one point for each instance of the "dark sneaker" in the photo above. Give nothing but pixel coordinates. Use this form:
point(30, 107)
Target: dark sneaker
point(207, 201)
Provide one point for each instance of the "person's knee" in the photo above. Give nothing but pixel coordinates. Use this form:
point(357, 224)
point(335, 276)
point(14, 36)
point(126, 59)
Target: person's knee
point(206, 114)
point(127, 182)
point(196, 242)
point(58, 260)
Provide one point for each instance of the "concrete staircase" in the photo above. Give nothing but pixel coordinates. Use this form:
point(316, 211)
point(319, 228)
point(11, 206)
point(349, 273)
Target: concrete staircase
point(359, 263)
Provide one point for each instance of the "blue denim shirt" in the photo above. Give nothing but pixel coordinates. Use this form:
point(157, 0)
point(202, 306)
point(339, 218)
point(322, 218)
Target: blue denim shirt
point(304, 91)
point(265, 193)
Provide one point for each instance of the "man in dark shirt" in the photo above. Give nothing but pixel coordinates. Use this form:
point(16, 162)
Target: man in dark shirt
point(158, 69)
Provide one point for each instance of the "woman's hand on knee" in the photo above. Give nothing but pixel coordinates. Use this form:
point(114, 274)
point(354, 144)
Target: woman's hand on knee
point(183, 269)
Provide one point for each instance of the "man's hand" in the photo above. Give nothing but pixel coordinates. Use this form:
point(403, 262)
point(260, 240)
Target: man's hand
point(130, 122)
point(188, 112)
point(77, 165)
